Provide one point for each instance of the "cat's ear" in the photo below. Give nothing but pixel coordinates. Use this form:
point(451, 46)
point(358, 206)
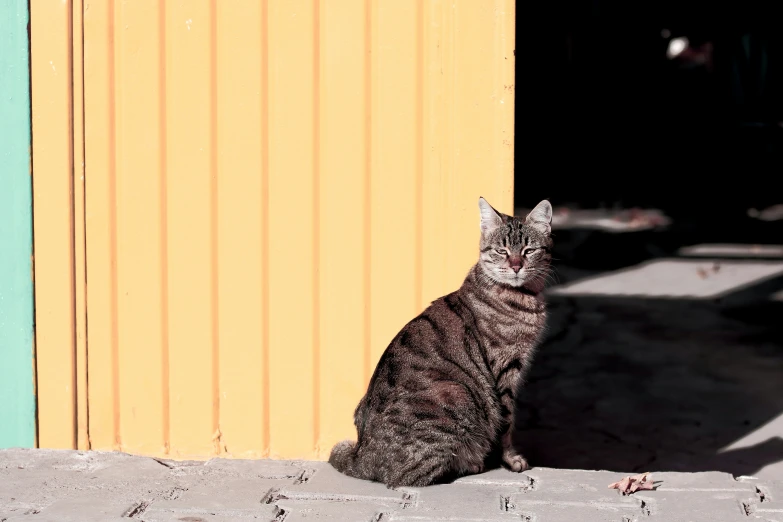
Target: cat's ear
point(540, 217)
point(490, 218)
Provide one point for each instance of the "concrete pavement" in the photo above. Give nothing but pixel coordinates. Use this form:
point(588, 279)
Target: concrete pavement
point(74, 486)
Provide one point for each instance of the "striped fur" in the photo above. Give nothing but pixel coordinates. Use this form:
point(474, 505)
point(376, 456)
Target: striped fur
point(441, 400)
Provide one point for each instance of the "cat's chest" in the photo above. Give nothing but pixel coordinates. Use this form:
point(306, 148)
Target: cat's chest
point(511, 331)
point(509, 338)
point(500, 356)
point(518, 333)
point(507, 350)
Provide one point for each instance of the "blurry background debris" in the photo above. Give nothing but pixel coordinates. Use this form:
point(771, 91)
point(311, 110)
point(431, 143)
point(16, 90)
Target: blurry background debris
point(773, 213)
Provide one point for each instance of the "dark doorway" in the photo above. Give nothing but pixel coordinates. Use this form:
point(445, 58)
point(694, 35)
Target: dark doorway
point(675, 106)
point(604, 116)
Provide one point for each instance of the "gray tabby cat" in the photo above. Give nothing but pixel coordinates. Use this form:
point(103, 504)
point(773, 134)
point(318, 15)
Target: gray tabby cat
point(441, 400)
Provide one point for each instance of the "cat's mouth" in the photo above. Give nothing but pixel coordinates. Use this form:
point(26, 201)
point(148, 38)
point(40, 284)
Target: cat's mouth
point(516, 278)
point(506, 276)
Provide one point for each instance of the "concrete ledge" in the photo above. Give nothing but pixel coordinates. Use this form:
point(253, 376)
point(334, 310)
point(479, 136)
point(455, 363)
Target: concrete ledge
point(86, 486)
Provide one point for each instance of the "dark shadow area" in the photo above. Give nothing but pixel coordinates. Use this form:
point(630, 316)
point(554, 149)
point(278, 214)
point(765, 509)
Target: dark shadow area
point(604, 116)
point(676, 106)
point(644, 384)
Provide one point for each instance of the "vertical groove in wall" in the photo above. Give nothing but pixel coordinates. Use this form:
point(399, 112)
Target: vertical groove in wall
point(82, 169)
point(450, 107)
point(37, 408)
point(213, 201)
point(72, 229)
point(79, 230)
point(419, 179)
point(115, 355)
point(316, 319)
point(505, 83)
point(368, 13)
point(164, 240)
point(265, 222)
point(511, 14)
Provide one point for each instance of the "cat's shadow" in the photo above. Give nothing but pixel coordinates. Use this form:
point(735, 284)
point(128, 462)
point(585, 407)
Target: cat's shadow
point(634, 385)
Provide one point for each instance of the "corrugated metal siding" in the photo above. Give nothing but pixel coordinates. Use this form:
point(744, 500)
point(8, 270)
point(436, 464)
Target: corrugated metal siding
point(273, 188)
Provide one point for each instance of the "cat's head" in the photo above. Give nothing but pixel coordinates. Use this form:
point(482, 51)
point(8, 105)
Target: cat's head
point(516, 251)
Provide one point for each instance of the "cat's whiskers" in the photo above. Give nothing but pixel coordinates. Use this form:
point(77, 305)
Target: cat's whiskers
point(549, 276)
point(540, 275)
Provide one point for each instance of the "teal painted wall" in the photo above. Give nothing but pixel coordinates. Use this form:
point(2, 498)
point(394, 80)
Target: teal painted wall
point(17, 390)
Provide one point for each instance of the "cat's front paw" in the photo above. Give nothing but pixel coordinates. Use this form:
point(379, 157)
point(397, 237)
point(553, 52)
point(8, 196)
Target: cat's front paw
point(476, 469)
point(514, 461)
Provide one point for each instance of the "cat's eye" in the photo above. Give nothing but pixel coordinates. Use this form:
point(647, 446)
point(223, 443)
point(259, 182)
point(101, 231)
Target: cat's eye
point(501, 251)
point(531, 251)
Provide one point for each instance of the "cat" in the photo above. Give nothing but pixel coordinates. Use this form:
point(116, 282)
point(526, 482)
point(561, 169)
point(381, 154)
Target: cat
point(441, 399)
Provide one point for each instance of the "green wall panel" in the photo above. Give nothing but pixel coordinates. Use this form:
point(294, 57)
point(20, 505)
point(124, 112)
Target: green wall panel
point(17, 389)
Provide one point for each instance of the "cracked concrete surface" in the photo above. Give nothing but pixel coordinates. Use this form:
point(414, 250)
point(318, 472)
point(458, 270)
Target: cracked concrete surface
point(71, 486)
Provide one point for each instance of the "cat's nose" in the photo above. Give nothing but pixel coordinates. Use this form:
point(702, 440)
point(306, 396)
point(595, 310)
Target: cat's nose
point(516, 264)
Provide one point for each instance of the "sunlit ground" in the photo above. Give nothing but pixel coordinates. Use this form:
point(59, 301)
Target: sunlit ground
point(766, 435)
point(733, 250)
point(676, 278)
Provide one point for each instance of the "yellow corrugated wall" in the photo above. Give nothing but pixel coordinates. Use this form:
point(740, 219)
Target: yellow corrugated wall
point(240, 203)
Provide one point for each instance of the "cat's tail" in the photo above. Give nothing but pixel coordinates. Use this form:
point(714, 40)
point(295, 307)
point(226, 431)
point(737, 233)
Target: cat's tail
point(342, 456)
